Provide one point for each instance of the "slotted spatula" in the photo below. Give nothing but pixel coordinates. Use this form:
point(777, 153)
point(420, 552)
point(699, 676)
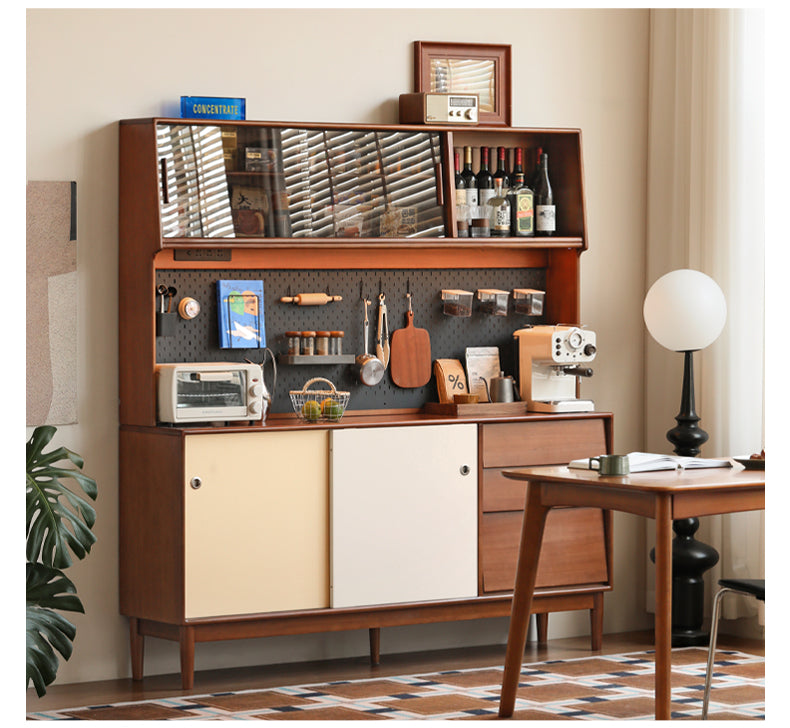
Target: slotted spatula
point(410, 354)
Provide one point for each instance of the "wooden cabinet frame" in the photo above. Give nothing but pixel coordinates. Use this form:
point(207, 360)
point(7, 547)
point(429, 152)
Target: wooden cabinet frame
point(151, 531)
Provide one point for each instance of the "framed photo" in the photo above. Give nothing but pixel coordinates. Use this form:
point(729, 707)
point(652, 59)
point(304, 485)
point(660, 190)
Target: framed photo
point(470, 68)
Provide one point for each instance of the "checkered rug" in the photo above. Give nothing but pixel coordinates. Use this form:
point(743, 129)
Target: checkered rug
point(591, 688)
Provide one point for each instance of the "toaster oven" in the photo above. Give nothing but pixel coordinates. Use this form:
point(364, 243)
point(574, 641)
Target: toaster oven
point(209, 392)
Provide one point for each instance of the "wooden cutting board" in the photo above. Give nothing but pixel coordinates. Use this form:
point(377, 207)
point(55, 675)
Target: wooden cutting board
point(410, 355)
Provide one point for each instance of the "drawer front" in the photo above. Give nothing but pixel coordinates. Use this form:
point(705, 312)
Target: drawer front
point(573, 550)
point(555, 442)
point(498, 493)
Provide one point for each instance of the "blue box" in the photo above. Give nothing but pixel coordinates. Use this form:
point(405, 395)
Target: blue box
point(213, 107)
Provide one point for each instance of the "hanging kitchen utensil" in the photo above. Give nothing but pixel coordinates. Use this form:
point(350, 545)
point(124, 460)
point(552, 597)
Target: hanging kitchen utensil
point(370, 369)
point(410, 354)
point(382, 334)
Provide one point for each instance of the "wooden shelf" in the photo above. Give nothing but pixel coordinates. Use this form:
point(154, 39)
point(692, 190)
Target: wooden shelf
point(315, 359)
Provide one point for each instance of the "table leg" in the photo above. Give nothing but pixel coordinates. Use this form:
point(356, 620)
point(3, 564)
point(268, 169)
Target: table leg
point(663, 628)
point(529, 551)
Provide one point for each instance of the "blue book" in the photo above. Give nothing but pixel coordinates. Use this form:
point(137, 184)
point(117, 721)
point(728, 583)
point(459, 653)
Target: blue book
point(240, 315)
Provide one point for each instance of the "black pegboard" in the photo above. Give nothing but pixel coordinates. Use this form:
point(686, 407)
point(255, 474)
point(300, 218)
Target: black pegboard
point(198, 339)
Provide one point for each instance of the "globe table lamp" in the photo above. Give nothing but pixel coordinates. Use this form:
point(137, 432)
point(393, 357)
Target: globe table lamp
point(685, 311)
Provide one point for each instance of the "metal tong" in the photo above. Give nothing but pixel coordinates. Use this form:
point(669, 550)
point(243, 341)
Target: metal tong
point(382, 334)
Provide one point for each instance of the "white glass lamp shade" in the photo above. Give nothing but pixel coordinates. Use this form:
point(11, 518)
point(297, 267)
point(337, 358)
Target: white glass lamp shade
point(685, 310)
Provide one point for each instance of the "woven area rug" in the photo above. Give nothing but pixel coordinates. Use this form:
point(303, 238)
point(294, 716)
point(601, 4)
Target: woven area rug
point(591, 688)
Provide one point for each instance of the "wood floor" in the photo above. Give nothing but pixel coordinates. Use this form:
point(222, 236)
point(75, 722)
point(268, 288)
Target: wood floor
point(158, 686)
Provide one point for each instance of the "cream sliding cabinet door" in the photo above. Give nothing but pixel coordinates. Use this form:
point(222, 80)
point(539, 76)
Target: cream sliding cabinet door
point(256, 522)
point(403, 504)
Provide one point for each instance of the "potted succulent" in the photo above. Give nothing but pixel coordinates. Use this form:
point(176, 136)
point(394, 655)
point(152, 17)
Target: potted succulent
point(59, 522)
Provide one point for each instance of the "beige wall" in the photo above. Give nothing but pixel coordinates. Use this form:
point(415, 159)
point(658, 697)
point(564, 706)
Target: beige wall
point(86, 69)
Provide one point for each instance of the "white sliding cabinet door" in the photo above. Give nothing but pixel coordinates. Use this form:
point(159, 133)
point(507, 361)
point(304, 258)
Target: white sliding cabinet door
point(403, 514)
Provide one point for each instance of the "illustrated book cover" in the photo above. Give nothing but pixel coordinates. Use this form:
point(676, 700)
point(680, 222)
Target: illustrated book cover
point(240, 314)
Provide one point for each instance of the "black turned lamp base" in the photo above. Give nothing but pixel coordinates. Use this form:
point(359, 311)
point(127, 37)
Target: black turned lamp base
point(690, 558)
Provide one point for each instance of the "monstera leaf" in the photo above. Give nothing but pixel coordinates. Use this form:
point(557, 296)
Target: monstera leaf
point(59, 523)
point(58, 520)
point(48, 589)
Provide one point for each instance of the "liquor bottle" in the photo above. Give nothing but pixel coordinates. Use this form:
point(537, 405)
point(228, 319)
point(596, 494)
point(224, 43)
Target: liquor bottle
point(469, 178)
point(501, 168)
point(522, 202)
point(485, 180)
point(545, 211)
point(460, 182)
point(499, 211)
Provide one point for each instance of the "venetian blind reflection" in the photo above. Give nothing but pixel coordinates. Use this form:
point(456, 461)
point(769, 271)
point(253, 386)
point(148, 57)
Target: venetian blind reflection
point(349, 183)
point(194, 189)
point(464, 75)
point(270, 182)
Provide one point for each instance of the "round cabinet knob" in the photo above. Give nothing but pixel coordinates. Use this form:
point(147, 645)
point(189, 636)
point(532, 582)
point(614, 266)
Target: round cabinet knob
point(465, 470)
point(196, 482)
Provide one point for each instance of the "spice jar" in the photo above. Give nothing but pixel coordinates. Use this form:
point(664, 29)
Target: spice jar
point(294, 345)
point(322, 343)
point(308, 343)
point(336, 342)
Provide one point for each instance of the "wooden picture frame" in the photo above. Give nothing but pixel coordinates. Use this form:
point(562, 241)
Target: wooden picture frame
point(479, 68)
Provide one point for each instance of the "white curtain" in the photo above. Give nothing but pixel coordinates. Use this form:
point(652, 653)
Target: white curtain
point(706, 212)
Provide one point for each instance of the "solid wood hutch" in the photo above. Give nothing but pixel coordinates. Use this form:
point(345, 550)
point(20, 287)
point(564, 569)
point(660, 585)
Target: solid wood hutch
point(394, 515)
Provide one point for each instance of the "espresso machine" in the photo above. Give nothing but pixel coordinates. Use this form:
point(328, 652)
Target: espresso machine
point(550, 361)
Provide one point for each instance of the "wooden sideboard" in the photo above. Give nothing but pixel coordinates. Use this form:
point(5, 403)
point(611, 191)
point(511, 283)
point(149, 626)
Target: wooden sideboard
point(248, 552)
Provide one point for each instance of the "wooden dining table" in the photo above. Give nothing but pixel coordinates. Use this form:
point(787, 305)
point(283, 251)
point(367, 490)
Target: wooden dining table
point(663, 495)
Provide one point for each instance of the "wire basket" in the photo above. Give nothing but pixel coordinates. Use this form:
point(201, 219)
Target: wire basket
point(319, 405)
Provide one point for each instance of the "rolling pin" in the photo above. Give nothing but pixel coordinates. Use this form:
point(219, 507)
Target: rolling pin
point(310, 299)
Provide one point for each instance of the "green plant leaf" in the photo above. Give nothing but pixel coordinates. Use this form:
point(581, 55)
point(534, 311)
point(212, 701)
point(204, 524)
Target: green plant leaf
point(59, 520)
point(46, 630)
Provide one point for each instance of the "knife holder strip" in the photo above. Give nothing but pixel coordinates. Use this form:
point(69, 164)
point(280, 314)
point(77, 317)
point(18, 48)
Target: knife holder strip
point(197, 340)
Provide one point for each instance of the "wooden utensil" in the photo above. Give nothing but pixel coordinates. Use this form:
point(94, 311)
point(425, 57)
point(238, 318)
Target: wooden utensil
point(410, 354)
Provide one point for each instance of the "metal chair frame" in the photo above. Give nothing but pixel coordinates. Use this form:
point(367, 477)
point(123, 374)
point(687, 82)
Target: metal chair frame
point(747, 587)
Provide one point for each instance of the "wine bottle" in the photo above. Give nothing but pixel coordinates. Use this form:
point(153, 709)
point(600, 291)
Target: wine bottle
point(532, 180)
point(469, 178)
point(499, 211)
point(460, 182)
point(485, 180)
point(545, 211)
point(501, 168)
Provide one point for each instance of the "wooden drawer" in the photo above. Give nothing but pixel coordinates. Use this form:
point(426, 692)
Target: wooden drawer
point(498, 493)
point(551, 442)
point(573, 550)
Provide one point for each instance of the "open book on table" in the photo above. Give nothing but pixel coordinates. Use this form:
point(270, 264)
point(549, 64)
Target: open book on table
point(642, 462)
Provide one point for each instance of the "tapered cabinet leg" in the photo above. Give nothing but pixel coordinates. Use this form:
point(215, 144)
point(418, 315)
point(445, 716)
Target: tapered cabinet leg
point(187, 642)
point(375, 645)
point(136, 647)
point(596, 623)
point(542, 622)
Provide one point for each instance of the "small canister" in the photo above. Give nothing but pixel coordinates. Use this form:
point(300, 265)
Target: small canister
point(294, 346)
point(322, 343)
point(308, 343)
point(336, 342)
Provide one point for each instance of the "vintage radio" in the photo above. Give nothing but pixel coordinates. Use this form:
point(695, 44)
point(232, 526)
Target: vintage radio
point(433, 108)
